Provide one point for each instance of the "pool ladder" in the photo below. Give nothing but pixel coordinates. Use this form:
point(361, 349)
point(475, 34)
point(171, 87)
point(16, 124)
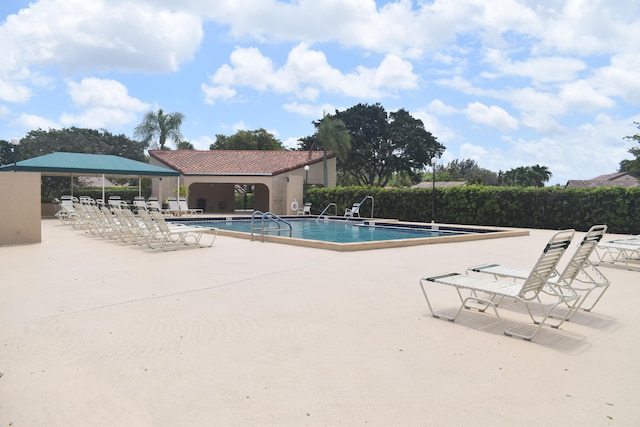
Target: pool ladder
point(325, 209)
point(360, 205)
point(268, 223)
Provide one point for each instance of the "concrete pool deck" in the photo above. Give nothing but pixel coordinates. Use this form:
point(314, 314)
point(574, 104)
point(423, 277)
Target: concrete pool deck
point(246, 333)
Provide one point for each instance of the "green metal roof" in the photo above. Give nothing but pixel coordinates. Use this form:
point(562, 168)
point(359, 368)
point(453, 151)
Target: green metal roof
point(88, 164)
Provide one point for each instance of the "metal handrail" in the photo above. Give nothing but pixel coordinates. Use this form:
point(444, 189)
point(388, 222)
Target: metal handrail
point(360, 206)
point(325, 209)
point(266, 217)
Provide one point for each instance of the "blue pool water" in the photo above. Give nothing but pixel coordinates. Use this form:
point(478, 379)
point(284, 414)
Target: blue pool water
point(339, 231)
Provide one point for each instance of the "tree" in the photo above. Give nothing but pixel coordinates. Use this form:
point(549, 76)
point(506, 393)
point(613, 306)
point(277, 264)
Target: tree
point(469, 171)
point(6, 152)
point(541, 174)
point(247, 140)
point(185, 145)
point(632, 166)
point(383, 144)
point(525, 176)
point(331, 135)
point(158, 127)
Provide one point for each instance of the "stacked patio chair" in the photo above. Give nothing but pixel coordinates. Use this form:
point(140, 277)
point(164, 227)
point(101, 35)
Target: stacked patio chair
point(67, 212)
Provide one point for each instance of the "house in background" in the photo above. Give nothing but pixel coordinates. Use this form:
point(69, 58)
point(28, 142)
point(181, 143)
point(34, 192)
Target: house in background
point(278, 177)
point(618, 179)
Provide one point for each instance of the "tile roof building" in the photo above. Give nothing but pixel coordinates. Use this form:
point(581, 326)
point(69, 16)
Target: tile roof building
point(277, 177)
point(618, 179)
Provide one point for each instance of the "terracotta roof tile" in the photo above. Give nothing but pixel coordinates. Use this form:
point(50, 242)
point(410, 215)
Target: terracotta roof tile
point(236, 162)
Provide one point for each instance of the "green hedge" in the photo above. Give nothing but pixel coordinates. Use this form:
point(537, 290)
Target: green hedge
point(547, 208)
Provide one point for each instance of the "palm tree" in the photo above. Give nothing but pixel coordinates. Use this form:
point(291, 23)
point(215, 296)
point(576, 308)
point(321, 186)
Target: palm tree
point(332, 135)
point(542, 174)
point(158, 126)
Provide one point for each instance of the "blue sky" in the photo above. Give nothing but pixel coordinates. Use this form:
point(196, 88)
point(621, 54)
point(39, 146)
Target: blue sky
point(506, 83)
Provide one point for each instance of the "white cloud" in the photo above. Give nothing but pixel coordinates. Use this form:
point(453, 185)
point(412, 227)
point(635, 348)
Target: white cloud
point(473, 152)
point(306, 73)
point(202, 142)
point(291, 142)
point(239, 126)
point(542, 123)
point(91, 92)
point(621, 78)
point(591, 149)
point(432, 124)
point(14, 92)
point(106, 103)
point(394, 27)
point(97, 118)
point(213, 93)
point(31, 121)
point(99, 34)
point(591, 27)
point(4, 111)
point(540, 69)
point(309, 110)
point(582, 96)
point(438, 107)
point(492, 116)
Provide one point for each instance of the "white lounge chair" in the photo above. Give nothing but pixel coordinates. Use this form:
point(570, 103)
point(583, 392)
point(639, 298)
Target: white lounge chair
point(182, 203)
point(114, 202)
point(352, 211)
point(133, 231)
point(67, 212)
point(139, 203)
point(169, 237)
point(579, 273)
point(174, 207)
point(305, 210)
point(483, 290)
point(626, 251)
point(153, 204)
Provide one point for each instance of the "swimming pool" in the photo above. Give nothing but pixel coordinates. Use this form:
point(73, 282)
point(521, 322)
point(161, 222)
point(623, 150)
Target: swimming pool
point(355, 234)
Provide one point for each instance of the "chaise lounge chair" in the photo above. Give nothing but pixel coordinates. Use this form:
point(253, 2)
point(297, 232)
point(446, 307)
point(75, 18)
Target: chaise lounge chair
point(154, 205)
point(67, 212)
point(182, 203)
point(579, 273)
point(171, 236)
point(626, 251)
point(174, 207)
point(139, 203)
point(483, 290)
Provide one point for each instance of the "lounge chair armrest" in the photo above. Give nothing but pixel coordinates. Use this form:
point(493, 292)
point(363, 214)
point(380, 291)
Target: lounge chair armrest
point(441, 276)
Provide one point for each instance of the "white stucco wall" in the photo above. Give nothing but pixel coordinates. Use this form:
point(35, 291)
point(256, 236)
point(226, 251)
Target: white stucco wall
point(20, 214)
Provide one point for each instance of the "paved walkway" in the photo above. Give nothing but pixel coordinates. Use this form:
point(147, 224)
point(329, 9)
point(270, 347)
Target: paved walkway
point(98, 333)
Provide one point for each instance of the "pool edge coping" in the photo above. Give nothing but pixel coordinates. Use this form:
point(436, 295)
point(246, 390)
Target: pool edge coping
point(383, 244)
